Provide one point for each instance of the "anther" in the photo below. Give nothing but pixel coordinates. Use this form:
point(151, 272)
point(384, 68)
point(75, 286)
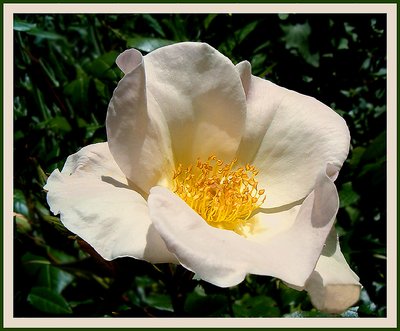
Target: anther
point(223, 197)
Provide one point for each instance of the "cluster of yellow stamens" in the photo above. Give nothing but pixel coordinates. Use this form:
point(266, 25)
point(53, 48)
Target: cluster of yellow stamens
point(225, 196)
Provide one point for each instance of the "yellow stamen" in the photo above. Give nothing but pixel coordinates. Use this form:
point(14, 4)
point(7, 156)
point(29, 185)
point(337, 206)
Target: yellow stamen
point(223, 196)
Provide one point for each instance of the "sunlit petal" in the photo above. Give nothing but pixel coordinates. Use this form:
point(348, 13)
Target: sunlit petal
point(289, 137)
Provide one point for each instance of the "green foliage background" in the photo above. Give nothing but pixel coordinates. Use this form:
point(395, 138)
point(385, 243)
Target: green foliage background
point(64, 75)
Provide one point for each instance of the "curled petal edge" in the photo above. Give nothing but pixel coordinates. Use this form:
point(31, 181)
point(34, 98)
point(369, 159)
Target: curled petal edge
point(95, 202)
point(333, 287)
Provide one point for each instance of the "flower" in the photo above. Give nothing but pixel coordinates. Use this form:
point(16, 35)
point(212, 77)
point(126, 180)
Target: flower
point(211, 167)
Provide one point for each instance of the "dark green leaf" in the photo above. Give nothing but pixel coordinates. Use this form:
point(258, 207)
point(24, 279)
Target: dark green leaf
point(42, 177)
point(243, 33)
point(40, 100)
point(148, 44)
point(297, 37)
point(32, 263)
point(347, 195)
point(101, 67)
point(375, 171)
point(356, 156)
point(199, 304)
point(350, 30)
point(376, 150)
point(48, 301)
point(23, 26)
point(59, 123)
point(290, 297)
point(18, 135)
point(78, 91)
point(381, 72)
point(42, 34)
point(343, 44)
point(22, 223)
point(154, 24)
point(20, 204)
point(209, 18)
point(59, 257)
point(255, 306)
point(354, 213)
point(159, 301)
point(283, 16)
point(367, 306)
point(350, 313)
point(45, 274)
point(56, 223)
point(101, 88)
point(53, 278)
point(49, 72)
point(258, 63)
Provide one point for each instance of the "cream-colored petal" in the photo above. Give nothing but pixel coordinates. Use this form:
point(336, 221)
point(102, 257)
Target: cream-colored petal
point(220, 257)
point(137, 135)
point(270, 222)
point(223, 257)
point(201, 97)
point(95, 160)
point(333, 287)
point(95, 202)
point(289, 137)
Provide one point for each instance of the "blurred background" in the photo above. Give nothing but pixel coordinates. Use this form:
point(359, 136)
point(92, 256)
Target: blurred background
point(64, 75)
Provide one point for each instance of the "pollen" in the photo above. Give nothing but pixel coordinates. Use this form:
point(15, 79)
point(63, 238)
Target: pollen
point(223, 194)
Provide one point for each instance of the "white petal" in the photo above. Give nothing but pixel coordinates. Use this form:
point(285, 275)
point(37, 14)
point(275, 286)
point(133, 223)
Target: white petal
point(137, 135)
point(244, 70)
point(224, 258)
point(102, 209)
point(289, 137)
point(95, 160)
point(333, 286)
point(202, 98)
point(218, 256)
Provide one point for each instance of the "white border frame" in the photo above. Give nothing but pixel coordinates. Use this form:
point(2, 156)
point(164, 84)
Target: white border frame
point(389, 321)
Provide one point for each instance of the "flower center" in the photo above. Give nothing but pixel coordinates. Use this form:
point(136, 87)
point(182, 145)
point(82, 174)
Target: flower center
point(225, 196)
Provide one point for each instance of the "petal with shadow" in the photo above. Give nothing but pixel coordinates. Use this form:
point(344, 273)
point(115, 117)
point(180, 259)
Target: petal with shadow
point(95, 202)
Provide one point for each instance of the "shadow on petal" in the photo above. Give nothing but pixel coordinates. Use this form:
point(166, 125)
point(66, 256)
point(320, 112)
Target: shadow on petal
point(114, 182)
point(280, 208)
point(156, 250)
